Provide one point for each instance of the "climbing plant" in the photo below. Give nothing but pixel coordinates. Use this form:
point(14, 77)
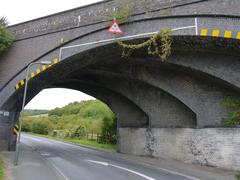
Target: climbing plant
point(6, 38)
point(158, 45)
point(232, 118)
point(122, 13)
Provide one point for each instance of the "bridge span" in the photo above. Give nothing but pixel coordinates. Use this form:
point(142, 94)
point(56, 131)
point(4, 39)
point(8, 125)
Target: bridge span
point(170, 110)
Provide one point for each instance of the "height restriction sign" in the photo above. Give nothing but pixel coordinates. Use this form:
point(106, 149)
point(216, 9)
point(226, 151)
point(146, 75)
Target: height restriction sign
point(115, 28)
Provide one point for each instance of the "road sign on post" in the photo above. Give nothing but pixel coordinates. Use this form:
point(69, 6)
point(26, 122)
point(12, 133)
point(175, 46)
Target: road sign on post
point(115, 28)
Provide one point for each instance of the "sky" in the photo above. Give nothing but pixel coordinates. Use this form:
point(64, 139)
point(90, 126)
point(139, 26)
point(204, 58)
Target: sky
point(59, 97)
point(17, 11)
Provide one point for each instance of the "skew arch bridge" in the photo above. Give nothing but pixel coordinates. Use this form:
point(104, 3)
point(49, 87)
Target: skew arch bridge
point(172, 110)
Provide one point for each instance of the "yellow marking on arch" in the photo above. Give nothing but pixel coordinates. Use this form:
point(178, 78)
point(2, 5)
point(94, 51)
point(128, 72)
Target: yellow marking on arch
point(228, 34)
point(215, 32)
point(238, 35)
point(38, 71)
point(55, 61)
point(32, 75)
point(22, 82)
point(204, 32)
point(17, 86)
point(44, 67)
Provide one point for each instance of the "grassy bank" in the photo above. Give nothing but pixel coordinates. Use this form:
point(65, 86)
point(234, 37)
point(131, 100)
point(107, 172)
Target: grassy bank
point(238, 176)
point(78, 141)
point(1, 169)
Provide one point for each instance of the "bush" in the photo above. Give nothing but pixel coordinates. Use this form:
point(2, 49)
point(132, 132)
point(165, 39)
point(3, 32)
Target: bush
point(6, 38)
point(109, 130)
point(26, 127)
point(80, 132)
point(42, 126)
point(232, 118)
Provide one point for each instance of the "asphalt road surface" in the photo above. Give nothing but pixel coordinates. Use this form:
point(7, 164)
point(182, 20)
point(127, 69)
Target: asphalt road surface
point(74, 162)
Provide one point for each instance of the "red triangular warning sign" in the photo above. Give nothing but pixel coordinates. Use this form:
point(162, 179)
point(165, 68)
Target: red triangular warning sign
point(115, 28)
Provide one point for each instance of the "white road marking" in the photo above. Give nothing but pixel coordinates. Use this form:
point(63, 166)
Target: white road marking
point(98, 162)
point(59, 171)
point(125, 169)
point(177, 173)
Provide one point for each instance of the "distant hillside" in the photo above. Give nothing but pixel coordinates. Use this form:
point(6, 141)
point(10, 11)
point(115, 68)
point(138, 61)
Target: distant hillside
point(35, 112)
point(86, 109)
point(76, 120)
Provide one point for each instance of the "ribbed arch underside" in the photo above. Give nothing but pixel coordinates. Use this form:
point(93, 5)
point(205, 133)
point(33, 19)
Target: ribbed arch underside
point(186, 91)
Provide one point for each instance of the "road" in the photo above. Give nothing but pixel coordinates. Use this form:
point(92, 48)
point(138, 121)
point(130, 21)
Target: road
point(74, 162)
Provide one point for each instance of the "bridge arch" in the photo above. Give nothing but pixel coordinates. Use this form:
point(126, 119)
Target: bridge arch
point(202, 70)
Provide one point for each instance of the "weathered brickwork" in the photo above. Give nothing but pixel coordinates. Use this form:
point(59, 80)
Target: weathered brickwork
point(217, 147)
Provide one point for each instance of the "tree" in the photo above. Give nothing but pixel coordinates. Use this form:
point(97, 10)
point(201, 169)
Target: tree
point(109, 130)
point(6, 38)
point(42, 126)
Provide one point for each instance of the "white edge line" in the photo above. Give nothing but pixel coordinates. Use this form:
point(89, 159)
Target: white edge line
point(134, 172)
point(120, 38)
point(177, 173)
point(98, 162)
point(122, 168)
point(58, 170)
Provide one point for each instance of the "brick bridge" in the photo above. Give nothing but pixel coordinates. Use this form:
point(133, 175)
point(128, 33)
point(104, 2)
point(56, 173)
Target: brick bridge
point(172, 110)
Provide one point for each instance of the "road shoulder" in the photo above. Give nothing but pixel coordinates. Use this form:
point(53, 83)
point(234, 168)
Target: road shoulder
point(31, 166)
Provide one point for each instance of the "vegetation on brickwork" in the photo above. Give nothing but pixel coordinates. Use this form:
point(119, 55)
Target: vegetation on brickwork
point(232, 118)
point(123, 12)
point(6, 38)
point(158, 45)
point(78, 120)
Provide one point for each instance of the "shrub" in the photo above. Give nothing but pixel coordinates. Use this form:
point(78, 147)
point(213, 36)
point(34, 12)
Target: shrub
point(6, 38)
point(109, 130)
point(232, 118)
point(80, 132)
point(42, 126)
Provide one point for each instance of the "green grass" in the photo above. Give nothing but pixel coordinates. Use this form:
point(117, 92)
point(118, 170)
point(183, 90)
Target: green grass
point(238, 176)
point(79, 141)
point(1, 169)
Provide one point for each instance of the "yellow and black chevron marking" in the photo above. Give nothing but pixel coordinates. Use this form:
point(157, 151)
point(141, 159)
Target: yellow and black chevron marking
point(16, 129)
point(35, 73)
point(220, 33)
point(21, 83)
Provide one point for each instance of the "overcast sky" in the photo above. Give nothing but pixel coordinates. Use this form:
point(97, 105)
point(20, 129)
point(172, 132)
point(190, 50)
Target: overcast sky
point(17, 11)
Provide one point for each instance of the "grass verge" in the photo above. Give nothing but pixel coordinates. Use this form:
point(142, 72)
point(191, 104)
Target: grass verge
point(238, 176)
point(1, 169)
point(78, 141)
